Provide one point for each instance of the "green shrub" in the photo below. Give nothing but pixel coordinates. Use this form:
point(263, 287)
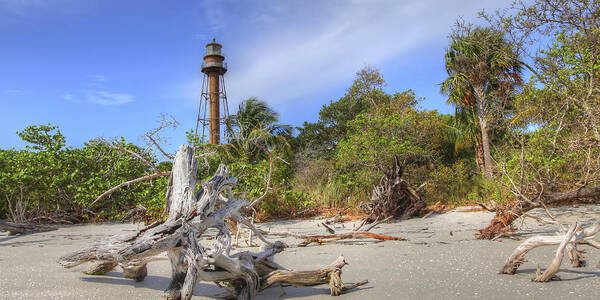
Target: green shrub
point(451, 185)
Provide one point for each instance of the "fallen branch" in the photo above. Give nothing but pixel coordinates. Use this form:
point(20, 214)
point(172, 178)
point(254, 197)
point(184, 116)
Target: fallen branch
point(130, 182)
point(326, 275)
point(553, 268)
point(487, 207)
point(518, 256)
point(504, 218)
point(321, 239)
point(377, 223)
point(329, 229)
point(22, 228)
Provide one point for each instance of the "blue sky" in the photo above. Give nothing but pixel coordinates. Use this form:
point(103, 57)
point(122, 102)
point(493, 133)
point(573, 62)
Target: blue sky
point(110, 68)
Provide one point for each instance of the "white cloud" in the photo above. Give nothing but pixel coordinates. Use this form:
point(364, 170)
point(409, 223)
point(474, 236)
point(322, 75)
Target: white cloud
point(95, 91)
point(214, 14)
point(280, 51)
point(108, 98)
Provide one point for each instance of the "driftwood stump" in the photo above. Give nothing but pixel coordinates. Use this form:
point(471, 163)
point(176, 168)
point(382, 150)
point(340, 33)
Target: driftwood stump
point(190, 215)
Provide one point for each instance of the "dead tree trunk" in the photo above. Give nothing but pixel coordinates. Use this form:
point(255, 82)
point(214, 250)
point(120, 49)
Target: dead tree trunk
point(190, 215)
point(22, 228)
point(393, 197)
point(504, 218)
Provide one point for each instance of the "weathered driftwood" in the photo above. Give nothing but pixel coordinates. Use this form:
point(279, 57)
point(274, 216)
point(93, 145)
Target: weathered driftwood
point(135, 215)
point(191, 215)
point(321, 239)
point(22, 228)
point(557, 261)
point(327, 275)
point(504, 218)
point(393, 197)
point(567, 241)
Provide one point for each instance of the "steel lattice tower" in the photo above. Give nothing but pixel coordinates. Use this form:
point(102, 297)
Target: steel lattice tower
point(213, 94)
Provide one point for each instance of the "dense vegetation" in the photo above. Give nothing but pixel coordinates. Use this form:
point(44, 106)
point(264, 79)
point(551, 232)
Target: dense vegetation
point(526, 90)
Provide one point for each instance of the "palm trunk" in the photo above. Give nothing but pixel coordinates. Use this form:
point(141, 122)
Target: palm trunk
point(479, 156)
point(485, 141)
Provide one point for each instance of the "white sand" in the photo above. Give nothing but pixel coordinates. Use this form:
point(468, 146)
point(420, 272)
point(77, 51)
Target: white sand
point(441, 260)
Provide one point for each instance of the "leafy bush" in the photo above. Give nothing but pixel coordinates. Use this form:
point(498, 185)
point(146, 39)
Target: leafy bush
point(451, 185)
point(49, 178)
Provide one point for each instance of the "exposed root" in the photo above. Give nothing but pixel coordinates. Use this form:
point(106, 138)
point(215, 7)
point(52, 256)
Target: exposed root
point(393, 197)
point(499, 224)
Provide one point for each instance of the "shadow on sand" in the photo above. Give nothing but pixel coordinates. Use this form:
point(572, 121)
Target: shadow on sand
point(582, 274)
point(160, 283)
point(19, 243)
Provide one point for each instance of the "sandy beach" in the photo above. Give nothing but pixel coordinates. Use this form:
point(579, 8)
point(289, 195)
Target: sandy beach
point(441, 258)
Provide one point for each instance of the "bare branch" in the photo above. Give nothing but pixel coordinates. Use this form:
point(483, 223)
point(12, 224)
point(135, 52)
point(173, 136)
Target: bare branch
point(153, 138)
point(118, 146)
point(159, 147)
point(127, 183)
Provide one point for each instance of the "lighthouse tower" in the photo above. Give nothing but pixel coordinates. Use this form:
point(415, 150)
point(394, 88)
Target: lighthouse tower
point(213, 94)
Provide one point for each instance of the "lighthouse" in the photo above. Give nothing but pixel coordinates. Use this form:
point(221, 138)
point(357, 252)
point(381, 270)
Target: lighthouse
point(213, 93)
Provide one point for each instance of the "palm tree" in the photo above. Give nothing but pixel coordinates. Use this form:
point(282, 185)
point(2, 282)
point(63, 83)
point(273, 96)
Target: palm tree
point(462, 132)
point(254, 128)
point(483, 70)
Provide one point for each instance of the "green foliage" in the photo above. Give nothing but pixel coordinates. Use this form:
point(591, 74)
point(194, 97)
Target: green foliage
point(452, 185)
point(253, 132)
point(194, 139)
point(358, 137)
point(281, 200)
point(553, 131)
point(480, 58)
point(483, 73)
point(544, 133)
point(55, 179)
point(396, 129)
point(42, 138)
point(320, 139)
